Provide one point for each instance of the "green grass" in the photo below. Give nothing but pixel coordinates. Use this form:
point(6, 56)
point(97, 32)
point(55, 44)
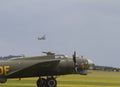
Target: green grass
point(93, 79)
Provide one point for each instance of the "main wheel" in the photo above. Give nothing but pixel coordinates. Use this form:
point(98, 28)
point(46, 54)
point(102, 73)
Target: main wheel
point(51, 82)
point(41, 82)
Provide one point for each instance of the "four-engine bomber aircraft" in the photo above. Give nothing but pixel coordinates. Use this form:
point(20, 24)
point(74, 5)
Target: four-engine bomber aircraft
point(42, 38)
point(50, 65)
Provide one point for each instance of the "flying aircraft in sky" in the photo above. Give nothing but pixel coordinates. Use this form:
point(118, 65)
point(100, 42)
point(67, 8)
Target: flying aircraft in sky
point(49, 66)
point(42, 38)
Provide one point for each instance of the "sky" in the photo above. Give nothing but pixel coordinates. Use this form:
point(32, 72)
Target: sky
point(89, 27)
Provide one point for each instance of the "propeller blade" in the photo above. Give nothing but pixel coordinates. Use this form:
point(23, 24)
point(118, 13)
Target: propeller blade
point(75, 61)
point(74, 58)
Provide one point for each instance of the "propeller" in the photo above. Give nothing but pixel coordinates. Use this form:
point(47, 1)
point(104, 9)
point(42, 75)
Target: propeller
point(82, 71)
point(74, 60)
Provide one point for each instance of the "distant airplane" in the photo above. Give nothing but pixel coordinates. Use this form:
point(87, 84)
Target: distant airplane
point(42, 38)
point(50, 65)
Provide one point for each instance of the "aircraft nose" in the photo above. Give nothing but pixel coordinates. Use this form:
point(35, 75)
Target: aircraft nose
point(90, 62)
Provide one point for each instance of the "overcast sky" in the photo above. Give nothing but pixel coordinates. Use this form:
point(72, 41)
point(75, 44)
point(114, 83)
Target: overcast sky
point(90, 27)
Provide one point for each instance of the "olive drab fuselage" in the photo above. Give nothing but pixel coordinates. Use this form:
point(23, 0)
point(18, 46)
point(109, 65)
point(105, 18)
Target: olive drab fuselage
point(37, 66)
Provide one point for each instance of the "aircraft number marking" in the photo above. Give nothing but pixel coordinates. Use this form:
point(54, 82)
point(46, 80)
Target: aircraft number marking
point(4, 70)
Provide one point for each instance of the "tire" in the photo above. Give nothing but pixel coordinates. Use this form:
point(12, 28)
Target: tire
point(51, 82)
point(41, 82)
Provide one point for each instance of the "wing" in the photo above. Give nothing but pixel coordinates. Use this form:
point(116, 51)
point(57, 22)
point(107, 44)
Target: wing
point(45, 68)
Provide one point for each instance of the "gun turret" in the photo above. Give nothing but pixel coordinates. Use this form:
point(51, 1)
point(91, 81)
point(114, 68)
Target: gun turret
point(49, 53)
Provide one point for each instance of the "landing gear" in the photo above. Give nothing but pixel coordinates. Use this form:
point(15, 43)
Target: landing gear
point(49, 82)
point(41, 82)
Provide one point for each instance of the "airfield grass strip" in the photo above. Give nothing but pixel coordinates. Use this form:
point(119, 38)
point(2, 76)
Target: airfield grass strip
point(89, 83)
point(82, 86)
point(94, 79)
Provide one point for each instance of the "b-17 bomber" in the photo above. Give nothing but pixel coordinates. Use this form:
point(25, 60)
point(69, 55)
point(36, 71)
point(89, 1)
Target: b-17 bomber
point(50, 66)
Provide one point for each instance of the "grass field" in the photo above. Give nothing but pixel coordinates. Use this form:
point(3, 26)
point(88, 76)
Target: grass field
point(93, 79)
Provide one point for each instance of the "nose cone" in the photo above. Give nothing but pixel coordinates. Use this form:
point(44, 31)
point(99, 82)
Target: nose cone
point(90, 62)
